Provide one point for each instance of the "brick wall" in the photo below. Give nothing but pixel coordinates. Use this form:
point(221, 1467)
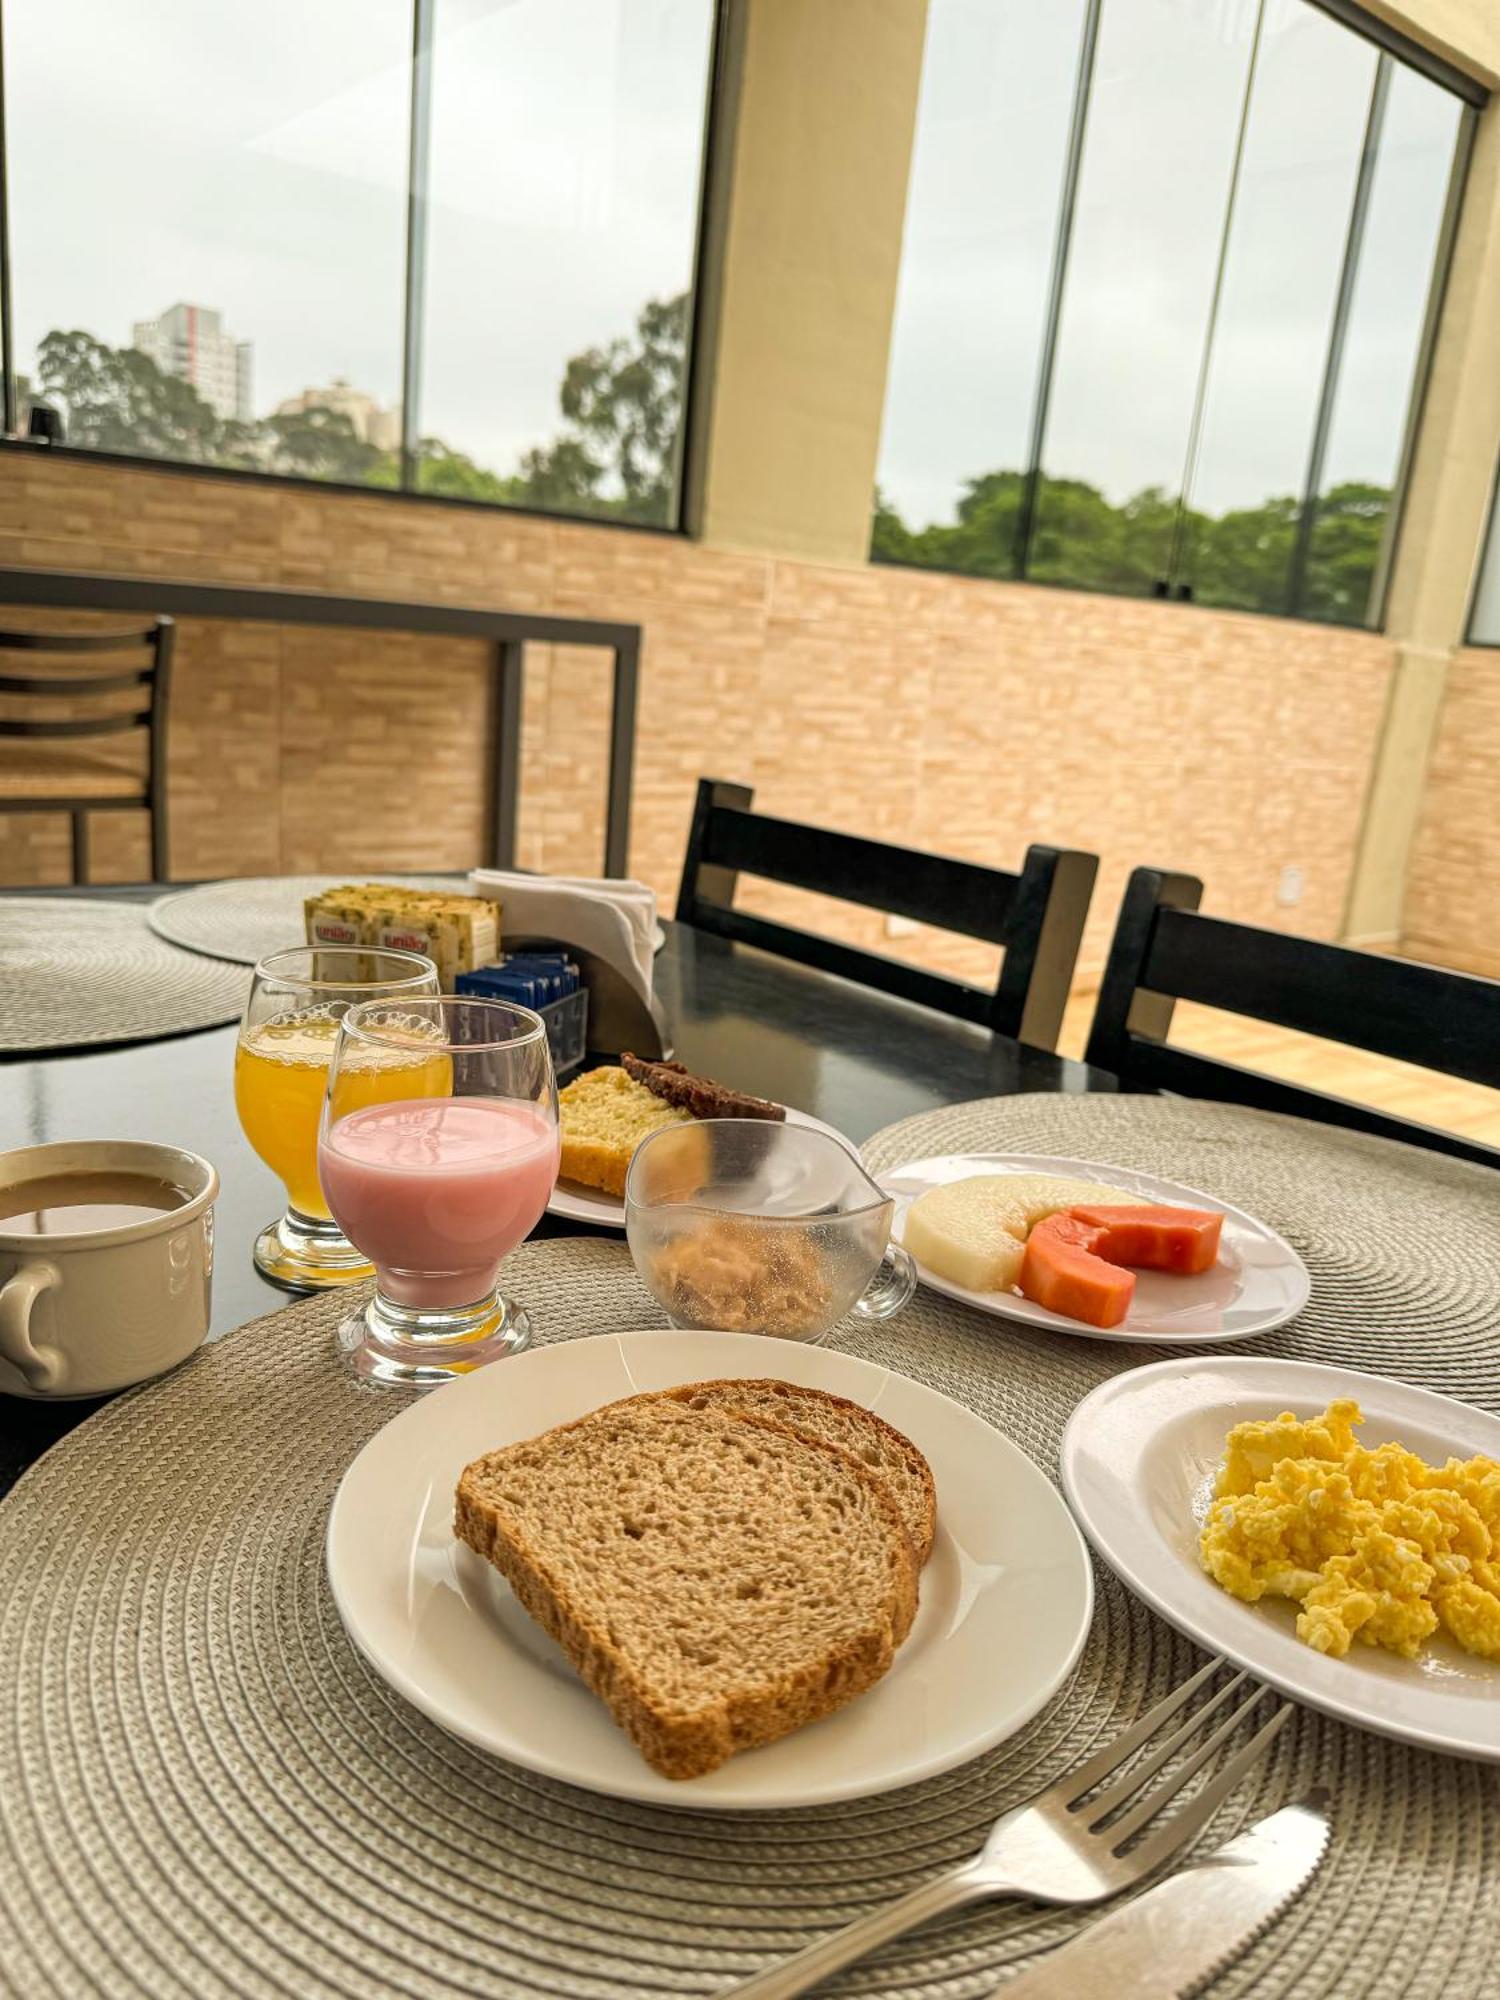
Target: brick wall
point(934, 710)
point(1453, 888)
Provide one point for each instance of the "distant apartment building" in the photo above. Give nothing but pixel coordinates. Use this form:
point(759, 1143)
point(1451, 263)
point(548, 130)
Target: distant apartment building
point(190, 342)
point(368, 421)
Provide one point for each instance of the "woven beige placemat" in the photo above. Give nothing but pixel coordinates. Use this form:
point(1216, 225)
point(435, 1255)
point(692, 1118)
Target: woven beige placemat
point(76, 971)
point(204, 1792)
point(245, 920)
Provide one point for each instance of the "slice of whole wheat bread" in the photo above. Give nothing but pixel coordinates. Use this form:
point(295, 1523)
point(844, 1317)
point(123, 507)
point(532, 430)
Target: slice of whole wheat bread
point(878, 1446)
point(717, 1579)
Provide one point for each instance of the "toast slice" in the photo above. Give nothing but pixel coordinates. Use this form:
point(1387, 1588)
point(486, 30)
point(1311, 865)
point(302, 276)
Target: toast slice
point(718, 1580)
point(880, 1448)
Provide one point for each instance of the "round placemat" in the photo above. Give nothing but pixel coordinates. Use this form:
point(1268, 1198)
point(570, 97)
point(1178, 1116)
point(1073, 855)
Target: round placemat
point(74, 971)
point(245, 920)
point(204, 1791)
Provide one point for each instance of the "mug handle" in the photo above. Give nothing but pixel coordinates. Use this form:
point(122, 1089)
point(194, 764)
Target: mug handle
point(894, 1282)
point(42, 1367)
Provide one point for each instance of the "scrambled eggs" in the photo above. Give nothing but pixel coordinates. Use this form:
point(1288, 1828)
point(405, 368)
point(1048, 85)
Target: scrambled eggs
point(1377, 1545)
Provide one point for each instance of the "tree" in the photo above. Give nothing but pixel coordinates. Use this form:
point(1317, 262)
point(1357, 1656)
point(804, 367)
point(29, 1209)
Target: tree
point(116, 399)
point(622, 404)
point(1240, 560)
point(319, 443)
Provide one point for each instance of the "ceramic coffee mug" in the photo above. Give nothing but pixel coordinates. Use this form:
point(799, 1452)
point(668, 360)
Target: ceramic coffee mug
point(84, 1313)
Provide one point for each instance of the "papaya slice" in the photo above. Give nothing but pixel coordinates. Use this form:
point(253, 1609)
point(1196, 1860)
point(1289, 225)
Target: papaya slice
point(1062, 1270)
point(1155, 1238)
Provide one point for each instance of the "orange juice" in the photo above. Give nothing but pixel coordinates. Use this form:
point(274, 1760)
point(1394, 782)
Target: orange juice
point(281, 1077)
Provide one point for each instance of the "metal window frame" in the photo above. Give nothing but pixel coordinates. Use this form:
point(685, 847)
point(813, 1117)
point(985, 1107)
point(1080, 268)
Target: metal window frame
point(1391, 46)
point(1083, 90)
point(1491, 522)
point(419, 135)
point(1338, 333)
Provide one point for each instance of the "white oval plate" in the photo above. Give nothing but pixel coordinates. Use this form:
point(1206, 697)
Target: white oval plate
point(575, 1203)
point(1006, 1596)
point(1139, 1460)
point(1258, 1283)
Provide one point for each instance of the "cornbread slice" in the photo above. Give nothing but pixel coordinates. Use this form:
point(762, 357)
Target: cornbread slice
point(604, 1116)
point(893, 1459)
point(973, 1232)
point(718, 1580)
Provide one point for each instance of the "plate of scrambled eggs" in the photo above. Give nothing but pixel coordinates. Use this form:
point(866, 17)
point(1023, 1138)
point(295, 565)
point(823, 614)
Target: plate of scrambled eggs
point(1336, 1533)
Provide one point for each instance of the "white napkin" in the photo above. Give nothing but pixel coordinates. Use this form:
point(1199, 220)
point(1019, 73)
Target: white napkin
point(612, 918)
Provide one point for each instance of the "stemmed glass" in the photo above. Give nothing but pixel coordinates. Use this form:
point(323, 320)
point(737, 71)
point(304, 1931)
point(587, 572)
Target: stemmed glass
point(437, 1184)
point(297, 998)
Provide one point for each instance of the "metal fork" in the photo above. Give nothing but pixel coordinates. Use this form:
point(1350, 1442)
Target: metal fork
point(1063, 1846)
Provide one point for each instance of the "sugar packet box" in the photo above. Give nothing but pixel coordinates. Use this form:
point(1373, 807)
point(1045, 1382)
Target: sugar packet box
point(455, 932)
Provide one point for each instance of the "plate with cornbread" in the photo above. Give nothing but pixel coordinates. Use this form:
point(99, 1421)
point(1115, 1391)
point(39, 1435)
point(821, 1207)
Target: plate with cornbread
point(709, 1570)
point(604, 1115)
point(1106, 1252)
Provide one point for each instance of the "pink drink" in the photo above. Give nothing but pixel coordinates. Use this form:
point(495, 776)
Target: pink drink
point(436, 1190)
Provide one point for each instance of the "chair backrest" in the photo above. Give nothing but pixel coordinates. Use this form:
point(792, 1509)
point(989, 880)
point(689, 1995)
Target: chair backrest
point(83, 668)
point(1165, 951)
point(1037, 916)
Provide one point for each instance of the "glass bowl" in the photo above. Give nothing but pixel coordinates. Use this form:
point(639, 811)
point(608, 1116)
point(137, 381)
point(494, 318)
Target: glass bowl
point(742, 1225)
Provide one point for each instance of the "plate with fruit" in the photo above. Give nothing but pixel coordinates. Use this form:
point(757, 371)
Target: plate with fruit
point(1101, 1251)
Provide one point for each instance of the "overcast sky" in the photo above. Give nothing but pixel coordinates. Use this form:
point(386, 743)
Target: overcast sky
point(253, 157)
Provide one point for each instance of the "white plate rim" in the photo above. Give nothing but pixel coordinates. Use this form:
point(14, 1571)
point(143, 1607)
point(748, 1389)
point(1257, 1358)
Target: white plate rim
point(1366, 1388)
point(652, 1789)
point(1022, 1312)
point(607, 1211)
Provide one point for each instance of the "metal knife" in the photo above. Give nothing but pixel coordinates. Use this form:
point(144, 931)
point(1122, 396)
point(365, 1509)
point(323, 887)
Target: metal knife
point(1187, 1927)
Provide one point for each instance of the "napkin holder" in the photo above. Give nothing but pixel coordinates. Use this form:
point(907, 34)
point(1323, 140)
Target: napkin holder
point(620, 1017)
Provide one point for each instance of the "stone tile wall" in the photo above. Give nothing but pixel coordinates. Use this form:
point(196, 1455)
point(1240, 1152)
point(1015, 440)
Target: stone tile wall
point(934, 710)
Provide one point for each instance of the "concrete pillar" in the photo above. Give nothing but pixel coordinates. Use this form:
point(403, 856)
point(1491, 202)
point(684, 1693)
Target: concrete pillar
point(803, 252)
point(1439, 546)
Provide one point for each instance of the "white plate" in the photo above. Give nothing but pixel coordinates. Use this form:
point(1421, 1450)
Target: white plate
point(576, 1203)
point(1259, 1281)
point(1006, 1595)
point(1139, 1460)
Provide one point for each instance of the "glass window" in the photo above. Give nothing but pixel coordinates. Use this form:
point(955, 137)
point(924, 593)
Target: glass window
point(1378, 378)
point(566, 140)
point(981, 227)
point(1294, 194)
point(1252, 253)
point(1158, 153)
point(208, 234)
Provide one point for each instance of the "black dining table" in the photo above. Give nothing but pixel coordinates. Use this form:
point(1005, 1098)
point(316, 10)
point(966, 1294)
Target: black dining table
point(857, 1059)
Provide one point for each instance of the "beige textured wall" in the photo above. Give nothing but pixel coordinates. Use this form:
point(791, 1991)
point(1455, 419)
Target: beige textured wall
point(1453, 892)
point(929, 709)
point(1467, 32)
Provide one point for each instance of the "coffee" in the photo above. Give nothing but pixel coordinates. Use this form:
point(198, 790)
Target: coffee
point(69, 1204)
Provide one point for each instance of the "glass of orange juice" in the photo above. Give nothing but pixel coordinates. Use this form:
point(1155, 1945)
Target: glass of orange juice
point(291, 1022)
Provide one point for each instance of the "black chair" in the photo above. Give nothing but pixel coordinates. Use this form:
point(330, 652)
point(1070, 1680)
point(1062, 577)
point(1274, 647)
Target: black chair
point(1164, 951)
point(39, 779)
point(1036, 916)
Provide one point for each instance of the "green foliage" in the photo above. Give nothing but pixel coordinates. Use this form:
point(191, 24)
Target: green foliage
point(1240, 560)
point(115, 399)
point(615, 455)
point(622, 404)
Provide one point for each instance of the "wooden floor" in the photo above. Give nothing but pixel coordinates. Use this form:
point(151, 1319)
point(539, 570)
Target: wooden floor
point(1399, 1088)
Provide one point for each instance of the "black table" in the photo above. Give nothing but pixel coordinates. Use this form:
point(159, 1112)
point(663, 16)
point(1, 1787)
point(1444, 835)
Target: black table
point(852, 1057)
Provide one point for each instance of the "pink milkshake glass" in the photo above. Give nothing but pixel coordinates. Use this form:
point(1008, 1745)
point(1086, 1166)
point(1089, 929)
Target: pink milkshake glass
point(437, 1186)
